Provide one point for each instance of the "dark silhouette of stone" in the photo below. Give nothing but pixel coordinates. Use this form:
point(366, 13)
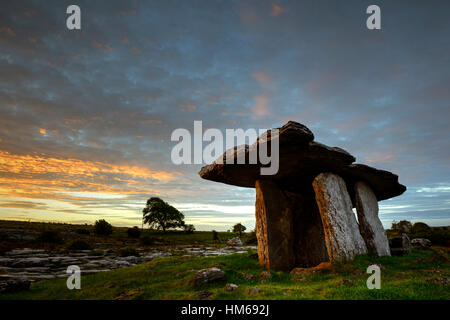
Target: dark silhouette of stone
point(370, 225)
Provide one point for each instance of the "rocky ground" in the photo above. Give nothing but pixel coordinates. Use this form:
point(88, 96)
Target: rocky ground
point(36, 264)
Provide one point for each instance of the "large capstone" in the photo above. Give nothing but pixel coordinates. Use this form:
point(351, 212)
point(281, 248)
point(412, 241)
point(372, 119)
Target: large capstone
point(369, 224)
point(342, 236)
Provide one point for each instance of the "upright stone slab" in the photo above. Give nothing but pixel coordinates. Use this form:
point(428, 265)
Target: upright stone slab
point(342, 236)
point(370, 225)
point(274, 230)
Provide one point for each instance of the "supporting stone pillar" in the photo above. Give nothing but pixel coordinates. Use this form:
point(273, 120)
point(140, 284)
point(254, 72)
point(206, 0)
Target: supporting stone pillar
point(273, 227)
point(342, 236)
point(369, 224)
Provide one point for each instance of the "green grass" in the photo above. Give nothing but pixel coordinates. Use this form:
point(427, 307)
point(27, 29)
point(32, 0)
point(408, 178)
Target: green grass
point(171, 278)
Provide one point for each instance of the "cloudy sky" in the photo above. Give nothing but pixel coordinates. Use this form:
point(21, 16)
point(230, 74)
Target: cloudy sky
point(86, 115)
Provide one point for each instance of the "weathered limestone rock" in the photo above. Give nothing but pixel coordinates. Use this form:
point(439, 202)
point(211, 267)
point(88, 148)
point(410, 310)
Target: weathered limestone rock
point(273, 227)
point(342, 236)
point(421, 243)
point(400, 245)
point(370, 225)
point(231, 286)
point(234, 242)
point(208, 275)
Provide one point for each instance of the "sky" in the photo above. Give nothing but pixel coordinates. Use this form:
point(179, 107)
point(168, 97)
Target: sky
point(86, 115)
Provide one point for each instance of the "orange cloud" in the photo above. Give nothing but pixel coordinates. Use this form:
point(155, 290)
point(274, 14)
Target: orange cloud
point(33, 164)
point(101, 46)
point(135, 50)
point(261, 108)
point(262, 77)
point(8, 31)
point(276, 10)
point(188, 107)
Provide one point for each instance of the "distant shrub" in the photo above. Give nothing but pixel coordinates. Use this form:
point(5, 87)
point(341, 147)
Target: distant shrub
point(102, 228)
point(251, 239)
point(440, 238)
point(79, 245)
point(401, 226)
point(420, 227)
point(189, 228)
point(50, 237)
point(126, 252)
point(215, 235)
point(134, 232)
point(83, 231)
point(147, 241)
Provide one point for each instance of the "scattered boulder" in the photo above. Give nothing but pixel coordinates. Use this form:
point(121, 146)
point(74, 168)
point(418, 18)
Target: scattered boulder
point(234, 242)
point(247, 276)
point(400, 245)
point(265, 275)
point(231, 286)
point(208, 275)
point(204, 294)
point(441, 280)
point(254, 291)
point(421, 243)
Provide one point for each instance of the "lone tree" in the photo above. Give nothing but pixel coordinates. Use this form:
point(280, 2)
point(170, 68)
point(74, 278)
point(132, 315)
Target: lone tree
point(161, 215)
point(102, 228)
point(238, 227)
point(401, 226)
